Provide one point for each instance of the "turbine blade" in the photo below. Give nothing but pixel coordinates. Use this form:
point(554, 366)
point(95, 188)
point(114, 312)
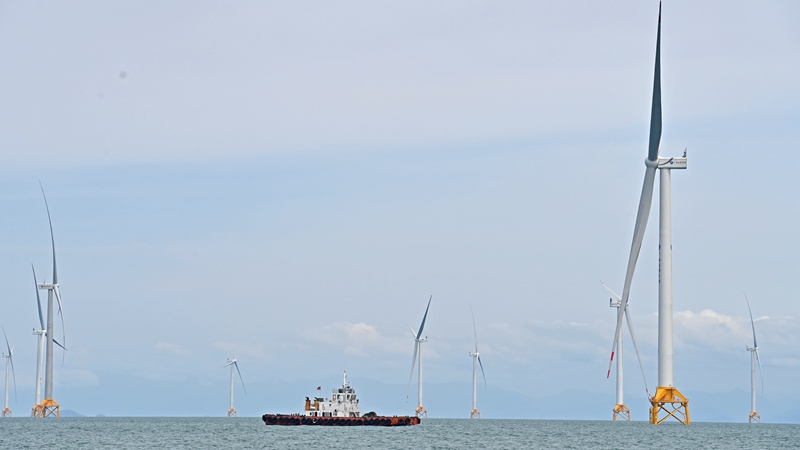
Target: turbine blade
point(38, 300)
point(63, 330)
point(636, 245)
point(609, 290)
point(7, 346)
point(413, 333)
point(482, 372)
point(52, 238)
point(752, 323)
point(235, 364)
point(636, 348)
point(655, 112)
point(647, 188)
point(411, 375)
point(422, 325)
point(58, 344)
point(474, 328)
point(760, 372)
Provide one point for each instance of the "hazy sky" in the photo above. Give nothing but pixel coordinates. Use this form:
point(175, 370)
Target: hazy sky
point(294, 180)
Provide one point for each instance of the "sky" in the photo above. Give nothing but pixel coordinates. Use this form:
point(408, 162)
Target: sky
point(292, 181)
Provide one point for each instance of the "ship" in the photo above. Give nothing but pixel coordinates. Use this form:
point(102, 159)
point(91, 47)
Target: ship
point(341, 409)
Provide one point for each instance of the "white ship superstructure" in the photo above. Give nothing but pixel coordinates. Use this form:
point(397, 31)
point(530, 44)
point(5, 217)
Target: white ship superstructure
point(342, 403)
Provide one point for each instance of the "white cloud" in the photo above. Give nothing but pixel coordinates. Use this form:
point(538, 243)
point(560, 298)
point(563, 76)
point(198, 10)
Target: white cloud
point(359, 339)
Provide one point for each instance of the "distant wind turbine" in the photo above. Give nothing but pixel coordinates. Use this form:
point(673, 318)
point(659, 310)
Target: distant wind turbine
point(418, 341)
point(621, 412)
point(41, 334)
point(50, 407)
point(9, 361)
point(476, 361)
point(233, 363)
point(754, 416)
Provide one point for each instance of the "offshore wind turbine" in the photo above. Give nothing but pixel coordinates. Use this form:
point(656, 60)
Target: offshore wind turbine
point(667, 399)
point(48, 406)
point(9, 361)
point(476, 361)
point(418, 341)
point(754, 416)
point(621, 412)
point(233, 363)
point(41, 334)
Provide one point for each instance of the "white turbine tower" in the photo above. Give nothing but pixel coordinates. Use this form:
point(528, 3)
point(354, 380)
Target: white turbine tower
point(476, 361)
point(667, 398)
point(621, 412)
point(233, 363)
point(754, 416)
point(9, 361)
point(418, 341)
point(48, 406)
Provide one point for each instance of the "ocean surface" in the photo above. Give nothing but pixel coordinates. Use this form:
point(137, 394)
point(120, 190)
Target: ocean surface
point(251, 433)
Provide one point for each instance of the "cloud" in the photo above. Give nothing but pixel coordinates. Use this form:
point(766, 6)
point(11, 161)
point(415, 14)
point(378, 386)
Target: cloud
point(712, 329)
point(359, 339)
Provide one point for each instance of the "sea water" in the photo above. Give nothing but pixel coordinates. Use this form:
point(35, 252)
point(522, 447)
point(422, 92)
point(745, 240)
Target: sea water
point(251, 433)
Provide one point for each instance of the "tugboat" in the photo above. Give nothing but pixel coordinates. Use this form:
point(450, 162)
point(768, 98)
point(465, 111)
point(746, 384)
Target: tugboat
point(341, 409)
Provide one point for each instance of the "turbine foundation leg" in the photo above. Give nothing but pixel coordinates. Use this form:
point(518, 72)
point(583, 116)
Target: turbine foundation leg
point(421, 412)
point(668, 402)
point(621, 412)
point(754, 417)
point(474, 414)
point(231, 412)
point(36, 411)
point(50, 408)
point(6, 412)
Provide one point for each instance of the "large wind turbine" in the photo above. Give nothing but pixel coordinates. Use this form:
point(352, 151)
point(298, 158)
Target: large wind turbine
point(754, 416)
point(9, 361)
point(233, 363)
point(476, 361)
point(621, 412)
point(48, 406)
point(41, 335)
point(418, 341)
point(667, 396)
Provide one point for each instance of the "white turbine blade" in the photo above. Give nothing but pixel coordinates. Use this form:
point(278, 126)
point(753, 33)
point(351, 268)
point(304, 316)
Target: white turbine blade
point(646, 198)
point(425, 317)
point(63, 330)
point(609, 290)
point(413, 333)
point(482, 372)
point(235, 364)
point(636, 348)
point(474, 328)
point(760, 372)
point(38, 300)
point(52, 238)
point(752, 323)
point(636, 245)
point(411, 375)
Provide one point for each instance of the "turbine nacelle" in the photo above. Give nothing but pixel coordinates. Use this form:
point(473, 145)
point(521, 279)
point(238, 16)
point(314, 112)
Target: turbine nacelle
point(672, 163)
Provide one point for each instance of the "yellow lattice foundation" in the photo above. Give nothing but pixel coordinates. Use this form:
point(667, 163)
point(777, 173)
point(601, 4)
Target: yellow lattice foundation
point(49, 408)
point(231, 412)
point(36, 411)
point(474, 414)
point(421, 412)
point(754, 417)
point(671, 403)
point(6, 412)
point(621, 412)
